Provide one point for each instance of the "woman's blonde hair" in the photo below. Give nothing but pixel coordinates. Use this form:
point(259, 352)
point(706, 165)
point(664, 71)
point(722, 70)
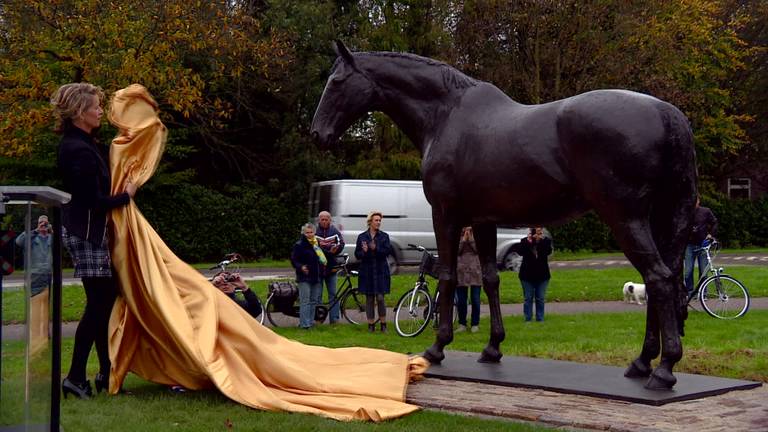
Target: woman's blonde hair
point(371, 215)
point(71, 100)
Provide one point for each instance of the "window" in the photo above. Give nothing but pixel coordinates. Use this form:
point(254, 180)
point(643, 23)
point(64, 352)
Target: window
point(739, 188)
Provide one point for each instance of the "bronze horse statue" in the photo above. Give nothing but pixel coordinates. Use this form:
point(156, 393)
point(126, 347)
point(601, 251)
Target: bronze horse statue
point(488, 160)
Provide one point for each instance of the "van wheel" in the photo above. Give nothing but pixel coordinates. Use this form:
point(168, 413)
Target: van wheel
point(394, 267)
point(512, 261)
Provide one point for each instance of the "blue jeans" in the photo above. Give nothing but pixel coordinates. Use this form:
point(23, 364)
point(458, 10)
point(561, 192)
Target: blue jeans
point(309, 297)
point(534, 291)
point(330, 284)
point(461, 304)
point(689, 263)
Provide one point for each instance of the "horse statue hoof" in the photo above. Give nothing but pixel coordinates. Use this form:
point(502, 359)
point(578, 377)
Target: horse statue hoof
point(433, 355)
point(490, 355)
point(637, 369)
point(661, 379)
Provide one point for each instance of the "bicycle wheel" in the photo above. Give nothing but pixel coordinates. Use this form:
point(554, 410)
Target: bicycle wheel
point(280, 314)
point(413, 312)
point(353, 306)
point(260, 317)
point(724, 297)
point(436, 306)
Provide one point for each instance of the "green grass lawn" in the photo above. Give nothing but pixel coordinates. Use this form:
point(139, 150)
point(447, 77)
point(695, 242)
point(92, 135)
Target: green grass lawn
point(736, 349)
point(566, 285)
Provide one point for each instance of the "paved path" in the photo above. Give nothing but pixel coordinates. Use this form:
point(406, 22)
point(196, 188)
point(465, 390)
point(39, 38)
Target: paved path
point(15, 280)
point(745, 410)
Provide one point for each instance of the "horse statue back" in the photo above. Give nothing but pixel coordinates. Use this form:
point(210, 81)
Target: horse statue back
point(488, 160)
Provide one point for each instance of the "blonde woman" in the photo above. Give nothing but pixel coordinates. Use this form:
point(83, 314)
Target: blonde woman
point(85, 174)
point(372, 249)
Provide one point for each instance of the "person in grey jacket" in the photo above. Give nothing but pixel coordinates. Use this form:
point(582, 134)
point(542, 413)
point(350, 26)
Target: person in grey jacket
point(39, 261)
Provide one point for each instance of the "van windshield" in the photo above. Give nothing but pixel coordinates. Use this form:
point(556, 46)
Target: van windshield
point(320, 199)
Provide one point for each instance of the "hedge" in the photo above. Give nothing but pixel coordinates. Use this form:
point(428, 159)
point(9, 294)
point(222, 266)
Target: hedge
point(741, 223)
point(201, 224)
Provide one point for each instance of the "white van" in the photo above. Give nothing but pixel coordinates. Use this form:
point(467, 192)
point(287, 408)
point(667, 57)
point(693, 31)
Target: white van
point(407, 217)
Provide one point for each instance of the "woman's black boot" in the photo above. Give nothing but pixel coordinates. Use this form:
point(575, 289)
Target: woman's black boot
point(101, 382)
point(383, 327)
point(80, 390)
point(371, 327)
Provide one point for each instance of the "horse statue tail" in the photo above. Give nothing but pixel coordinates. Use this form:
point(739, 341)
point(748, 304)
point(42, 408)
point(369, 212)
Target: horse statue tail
point(675, 201)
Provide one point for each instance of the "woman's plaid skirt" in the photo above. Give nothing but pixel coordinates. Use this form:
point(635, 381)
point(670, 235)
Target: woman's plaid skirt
point(89, 260)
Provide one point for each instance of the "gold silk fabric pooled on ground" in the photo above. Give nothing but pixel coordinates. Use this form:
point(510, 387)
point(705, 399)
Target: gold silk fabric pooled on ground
point(171, 326)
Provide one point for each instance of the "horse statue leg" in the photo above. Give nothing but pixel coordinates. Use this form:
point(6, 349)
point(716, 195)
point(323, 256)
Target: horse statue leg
point(485, 239)
point(662, 319)
point(447, 235)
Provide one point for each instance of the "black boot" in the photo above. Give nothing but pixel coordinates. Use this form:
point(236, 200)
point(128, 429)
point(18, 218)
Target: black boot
point(101, 381)
point(383, 327)
point(371, 327)
point(80, 390)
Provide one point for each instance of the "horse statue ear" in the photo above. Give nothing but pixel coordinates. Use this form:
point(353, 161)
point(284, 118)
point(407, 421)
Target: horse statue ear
point(343, 52)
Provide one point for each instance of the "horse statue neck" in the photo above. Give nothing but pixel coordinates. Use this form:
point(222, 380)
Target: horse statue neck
point(415, 92)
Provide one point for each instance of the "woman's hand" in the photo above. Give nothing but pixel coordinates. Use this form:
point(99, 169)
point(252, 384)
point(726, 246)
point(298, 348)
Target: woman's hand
point(305, 269)
point(130, 189)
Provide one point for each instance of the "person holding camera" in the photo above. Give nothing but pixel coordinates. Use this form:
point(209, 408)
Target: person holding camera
point(230, 284)
point(38, 263)
point(469, 278)
point(534, 271)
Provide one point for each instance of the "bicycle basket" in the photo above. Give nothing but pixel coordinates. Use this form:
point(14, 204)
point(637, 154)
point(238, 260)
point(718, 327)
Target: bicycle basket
point(429, 264)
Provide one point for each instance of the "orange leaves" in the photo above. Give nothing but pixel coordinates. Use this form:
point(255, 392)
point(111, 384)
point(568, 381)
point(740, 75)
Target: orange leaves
point(188, 53)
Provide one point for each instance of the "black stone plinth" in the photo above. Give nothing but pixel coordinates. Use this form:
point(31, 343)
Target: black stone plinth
point(579, 378)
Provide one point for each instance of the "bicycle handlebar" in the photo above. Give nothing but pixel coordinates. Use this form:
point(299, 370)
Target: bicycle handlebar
point(228, 259)
point(417, 247)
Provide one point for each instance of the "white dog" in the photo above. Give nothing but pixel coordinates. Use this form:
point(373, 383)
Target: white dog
point(634, 293)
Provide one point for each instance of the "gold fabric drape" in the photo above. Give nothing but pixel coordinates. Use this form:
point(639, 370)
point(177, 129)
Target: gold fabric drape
point(171, 326)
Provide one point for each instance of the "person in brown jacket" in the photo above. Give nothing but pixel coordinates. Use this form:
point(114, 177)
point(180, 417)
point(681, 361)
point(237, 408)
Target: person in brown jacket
point(469, 279)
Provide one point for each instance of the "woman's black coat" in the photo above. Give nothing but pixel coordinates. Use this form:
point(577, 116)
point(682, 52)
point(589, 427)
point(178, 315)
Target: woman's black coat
point(85, 173)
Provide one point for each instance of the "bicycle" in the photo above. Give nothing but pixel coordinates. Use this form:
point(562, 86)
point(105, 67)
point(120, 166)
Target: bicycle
point(721, 295)
point(282, 307)
point(233, 277)
point(417, 307)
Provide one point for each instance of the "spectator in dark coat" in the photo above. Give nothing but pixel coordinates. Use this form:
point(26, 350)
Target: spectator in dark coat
point(84, 169)
point(704, 228)
point(372, 249)
point(534, 271)
point(309, 261)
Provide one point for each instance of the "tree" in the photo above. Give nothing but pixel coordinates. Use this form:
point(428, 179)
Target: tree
point(686, 52)
point(206, 62)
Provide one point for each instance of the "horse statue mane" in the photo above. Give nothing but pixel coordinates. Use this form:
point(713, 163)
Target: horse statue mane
point(488, 160)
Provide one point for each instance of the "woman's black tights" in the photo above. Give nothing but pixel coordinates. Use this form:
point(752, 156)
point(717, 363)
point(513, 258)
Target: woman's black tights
point(379, 299)
point(100, 295)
